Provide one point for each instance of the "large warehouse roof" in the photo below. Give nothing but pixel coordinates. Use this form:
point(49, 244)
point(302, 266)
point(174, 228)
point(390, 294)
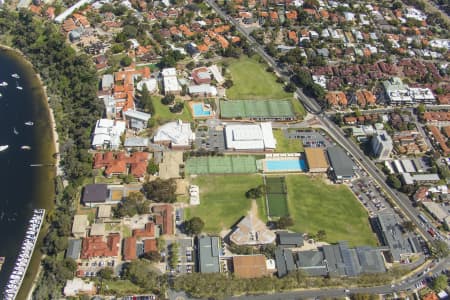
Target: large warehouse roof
point(341, 163)
point(250, 137)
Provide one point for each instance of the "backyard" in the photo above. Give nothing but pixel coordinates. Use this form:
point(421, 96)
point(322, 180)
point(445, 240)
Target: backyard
point(314, 205)
point(285, 145)
point(253, 82)
point(223, 201)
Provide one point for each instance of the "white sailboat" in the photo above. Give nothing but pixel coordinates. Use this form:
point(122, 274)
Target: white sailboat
point(3, 148)
point(29, 123)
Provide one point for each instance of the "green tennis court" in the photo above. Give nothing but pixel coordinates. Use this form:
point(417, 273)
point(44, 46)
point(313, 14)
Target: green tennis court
point(276, 196)
point(257, 109)
point(221, 165)
point(277, 205)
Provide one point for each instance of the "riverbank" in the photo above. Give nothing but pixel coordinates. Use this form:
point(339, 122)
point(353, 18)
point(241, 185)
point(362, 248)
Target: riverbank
point(48, 149)
point(50, 110)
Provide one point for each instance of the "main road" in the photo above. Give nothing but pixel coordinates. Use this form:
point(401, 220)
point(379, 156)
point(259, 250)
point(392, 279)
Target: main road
point(313, 107)
point(310, 104)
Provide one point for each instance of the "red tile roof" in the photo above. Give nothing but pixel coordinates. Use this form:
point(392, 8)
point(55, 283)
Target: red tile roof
point(165, 218)
point(129, 248)
point(95, 246)
point(119, 164)
point(150, 245)
point(336, 98)
point(147, 232)
point(440, 139)
point(430, 116)
point(364, 97)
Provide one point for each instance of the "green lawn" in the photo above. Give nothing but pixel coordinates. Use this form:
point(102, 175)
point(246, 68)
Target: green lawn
point(298, 107)
point(315, 205)
point(163, 114)
point(120, 287)
point(285, 145)
point(222, 200)
point(253, 82)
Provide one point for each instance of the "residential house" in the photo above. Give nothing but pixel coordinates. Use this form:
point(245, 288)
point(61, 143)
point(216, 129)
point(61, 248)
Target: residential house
point(335, 99)
point(120, 163)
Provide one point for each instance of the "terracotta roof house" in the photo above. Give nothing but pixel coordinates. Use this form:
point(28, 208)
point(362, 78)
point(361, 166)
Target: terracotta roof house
point(336, 98)
point(164, 218)
point(120, 163)
point(96, 246)
point(365, 97)
point(201, 75)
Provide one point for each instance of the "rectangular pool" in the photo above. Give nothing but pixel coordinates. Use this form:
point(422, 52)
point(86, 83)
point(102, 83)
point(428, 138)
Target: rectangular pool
point(199, 111)
point(292, 165)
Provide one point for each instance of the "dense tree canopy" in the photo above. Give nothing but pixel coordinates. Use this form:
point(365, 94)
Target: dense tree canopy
point(194, 226)
point(71, 82)
point(160, 190)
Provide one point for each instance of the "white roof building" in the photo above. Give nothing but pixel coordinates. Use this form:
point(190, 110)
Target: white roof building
point(413, 13)
point(170, 81)
point(202, 90)
point(250, 137)
point(107, 133)
point(177, 134)
point(151, 84)
point(349, 16)
point(216, 74)
point(440, 43)
point(169, 72)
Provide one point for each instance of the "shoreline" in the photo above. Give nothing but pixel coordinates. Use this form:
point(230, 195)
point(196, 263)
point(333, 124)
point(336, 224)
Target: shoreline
point(50, 109)
point(55, 138)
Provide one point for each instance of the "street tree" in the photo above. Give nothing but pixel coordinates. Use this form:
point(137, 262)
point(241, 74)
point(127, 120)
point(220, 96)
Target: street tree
point(440, 249)
point(194, 226)
point(439, 283)
point(408, 226)
point(285, 222)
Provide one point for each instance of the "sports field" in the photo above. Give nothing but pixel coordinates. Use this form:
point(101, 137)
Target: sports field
point(223, 201)
point(221, 164)
point(253, 82)
point(315, 205)
point(257, 109)
point(276, 196)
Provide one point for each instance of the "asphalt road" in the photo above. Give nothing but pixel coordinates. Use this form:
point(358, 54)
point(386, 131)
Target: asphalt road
point(401, 200)
point(407, 284)
point(312, 106)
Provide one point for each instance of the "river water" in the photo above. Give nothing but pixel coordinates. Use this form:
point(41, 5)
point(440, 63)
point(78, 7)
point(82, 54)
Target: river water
point(23, 187)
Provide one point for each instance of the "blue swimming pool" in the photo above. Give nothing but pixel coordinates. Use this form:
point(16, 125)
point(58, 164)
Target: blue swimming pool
point(199, 110)
point(293, 165)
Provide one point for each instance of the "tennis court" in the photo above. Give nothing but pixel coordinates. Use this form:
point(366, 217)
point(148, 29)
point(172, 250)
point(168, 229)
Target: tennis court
point(276, 192)
point(221, 165)
point(257, 109)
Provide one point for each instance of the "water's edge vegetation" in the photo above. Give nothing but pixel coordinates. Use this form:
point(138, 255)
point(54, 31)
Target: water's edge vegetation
point(71, 82)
